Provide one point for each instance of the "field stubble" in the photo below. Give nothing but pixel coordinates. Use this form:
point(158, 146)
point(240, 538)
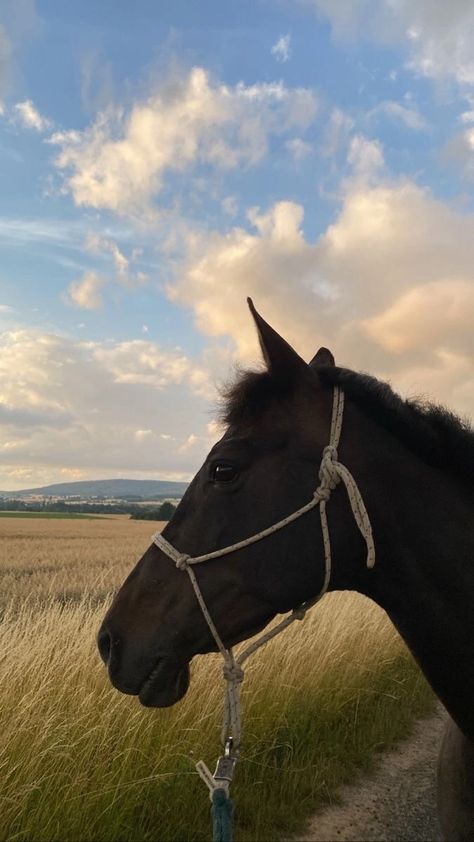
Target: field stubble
point(79, 761)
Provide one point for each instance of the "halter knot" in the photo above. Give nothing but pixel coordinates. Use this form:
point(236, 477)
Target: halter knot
point(232, 672)
point(330, 452)
point(182, 561)
point(299, 613)
point(327, 472)
point(323, 492)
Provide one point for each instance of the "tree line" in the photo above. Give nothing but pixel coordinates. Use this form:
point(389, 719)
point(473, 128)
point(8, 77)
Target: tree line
point(164, 511)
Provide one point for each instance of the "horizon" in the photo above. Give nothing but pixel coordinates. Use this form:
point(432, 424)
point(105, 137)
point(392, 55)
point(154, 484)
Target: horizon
point(159, 165)
point(93, 481)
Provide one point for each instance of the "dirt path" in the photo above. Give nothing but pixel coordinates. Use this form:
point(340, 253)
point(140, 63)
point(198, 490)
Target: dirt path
point(397, 803)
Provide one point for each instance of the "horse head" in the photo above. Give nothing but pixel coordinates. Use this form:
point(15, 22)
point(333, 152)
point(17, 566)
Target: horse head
point(264, 467)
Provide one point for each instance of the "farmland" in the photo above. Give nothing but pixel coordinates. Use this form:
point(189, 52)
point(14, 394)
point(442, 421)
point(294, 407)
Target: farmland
point(43, 515)
point(81, 761)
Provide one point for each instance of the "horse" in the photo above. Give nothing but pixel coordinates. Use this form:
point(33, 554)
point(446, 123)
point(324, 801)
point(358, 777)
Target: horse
point(414, 466)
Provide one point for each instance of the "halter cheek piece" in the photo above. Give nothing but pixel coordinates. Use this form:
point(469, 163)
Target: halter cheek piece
point(331, 472)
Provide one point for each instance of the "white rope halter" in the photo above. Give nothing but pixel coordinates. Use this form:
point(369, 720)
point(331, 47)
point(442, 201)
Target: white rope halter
point(331, 472)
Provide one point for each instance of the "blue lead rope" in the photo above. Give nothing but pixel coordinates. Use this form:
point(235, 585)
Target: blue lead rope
point(222, 812)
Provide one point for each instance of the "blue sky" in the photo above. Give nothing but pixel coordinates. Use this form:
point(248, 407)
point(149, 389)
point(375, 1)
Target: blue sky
point(160, 162)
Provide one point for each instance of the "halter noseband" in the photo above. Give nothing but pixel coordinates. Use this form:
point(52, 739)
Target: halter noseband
point(331, 472)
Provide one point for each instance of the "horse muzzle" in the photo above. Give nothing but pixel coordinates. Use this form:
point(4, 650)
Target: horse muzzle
point(166, 684)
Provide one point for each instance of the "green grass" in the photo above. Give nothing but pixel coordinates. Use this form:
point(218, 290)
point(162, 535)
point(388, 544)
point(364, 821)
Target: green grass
point(51, 515)
point(81, 761)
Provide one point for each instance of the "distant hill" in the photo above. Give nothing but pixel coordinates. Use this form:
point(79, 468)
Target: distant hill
point(153, 489)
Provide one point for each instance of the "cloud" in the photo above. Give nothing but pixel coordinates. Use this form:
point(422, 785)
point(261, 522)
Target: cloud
point(282, 48)
point(437, 312)
point(230, 205)
point(468, 116)
point(336, 132)
point(104, 245)
point(438, 37)
point(29, 117)
point(410, 117)
point(388, 286)
point(50, 231)
point(365, 157)
point(139, 361)
point(272, 262)
point(104, 409)
point(143, 434)
point(121, 160)
point(86, 292)
point(299, 149)
point(460, 151)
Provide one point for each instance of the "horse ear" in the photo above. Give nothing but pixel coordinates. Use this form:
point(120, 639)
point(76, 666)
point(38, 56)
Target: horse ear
point(322, 357)
point(282, 360)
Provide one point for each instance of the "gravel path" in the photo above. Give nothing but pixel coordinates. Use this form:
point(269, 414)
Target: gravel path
point(396, 803)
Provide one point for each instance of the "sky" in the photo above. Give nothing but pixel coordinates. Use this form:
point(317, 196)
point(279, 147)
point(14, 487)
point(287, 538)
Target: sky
point(159, 162)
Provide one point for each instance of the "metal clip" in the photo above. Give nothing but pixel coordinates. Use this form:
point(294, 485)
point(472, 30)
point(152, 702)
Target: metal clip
point(225, 769)
point(226, 763)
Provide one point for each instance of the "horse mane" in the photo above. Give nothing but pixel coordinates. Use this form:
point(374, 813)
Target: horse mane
point(429, 430)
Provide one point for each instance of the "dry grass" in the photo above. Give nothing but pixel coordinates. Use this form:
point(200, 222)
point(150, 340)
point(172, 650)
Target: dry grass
point(65, 559)
point(80, 761)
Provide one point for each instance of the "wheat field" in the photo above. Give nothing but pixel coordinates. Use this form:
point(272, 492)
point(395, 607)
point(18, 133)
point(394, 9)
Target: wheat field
point(79, 761)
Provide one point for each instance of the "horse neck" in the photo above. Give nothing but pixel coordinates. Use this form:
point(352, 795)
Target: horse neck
point(424, 572)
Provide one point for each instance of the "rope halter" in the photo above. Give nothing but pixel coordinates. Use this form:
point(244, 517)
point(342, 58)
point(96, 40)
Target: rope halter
point(331, 472)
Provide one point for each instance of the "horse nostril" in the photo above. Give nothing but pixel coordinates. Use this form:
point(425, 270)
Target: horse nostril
point(104, 643)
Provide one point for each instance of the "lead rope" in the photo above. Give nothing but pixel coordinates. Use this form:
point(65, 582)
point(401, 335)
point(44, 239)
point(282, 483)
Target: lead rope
point(331, 472)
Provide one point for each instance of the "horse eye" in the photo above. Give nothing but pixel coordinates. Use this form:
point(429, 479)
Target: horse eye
point(224, 473)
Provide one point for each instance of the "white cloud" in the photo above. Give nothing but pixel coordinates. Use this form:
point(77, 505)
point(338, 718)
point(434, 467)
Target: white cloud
point(50, 231)
point(141, 435)
point(438, 36)
point(410, 117)
point(86, 292)
point(299, 149)
point(143, 362)
point(440, 312)
point(468, 116)
point(388, 286)
point(460, 150)
point(336, 133)
point(104, 245)
point(190, 442)
point(97, 244)
point(282, 48)
point(29, 117)
point(365, 157)
point(101, 409)
point(274, 263)
point(120, 162)
point(121, 262)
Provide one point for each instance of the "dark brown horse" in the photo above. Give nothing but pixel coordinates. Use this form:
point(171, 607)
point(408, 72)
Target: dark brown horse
point(414, 465)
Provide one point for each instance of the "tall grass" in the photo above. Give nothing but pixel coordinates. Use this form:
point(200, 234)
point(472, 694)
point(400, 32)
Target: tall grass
point(79, 761)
